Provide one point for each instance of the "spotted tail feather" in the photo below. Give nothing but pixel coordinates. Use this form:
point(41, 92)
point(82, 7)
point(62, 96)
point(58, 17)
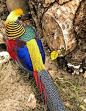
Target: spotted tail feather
point(53, 100)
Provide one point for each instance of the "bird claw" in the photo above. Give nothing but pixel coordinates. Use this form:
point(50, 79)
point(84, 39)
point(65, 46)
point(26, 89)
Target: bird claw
point(27, 76)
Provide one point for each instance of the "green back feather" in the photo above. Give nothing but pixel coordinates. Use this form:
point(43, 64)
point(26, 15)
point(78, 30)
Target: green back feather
point(29, 34)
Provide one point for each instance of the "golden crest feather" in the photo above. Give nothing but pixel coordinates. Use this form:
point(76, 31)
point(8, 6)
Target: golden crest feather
point(13, 16)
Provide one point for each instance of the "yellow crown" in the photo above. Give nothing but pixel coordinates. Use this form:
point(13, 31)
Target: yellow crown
point(13, 16)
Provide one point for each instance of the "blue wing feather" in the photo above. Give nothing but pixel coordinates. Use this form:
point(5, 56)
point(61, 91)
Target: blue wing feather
point(41, 50)
point(24, 57)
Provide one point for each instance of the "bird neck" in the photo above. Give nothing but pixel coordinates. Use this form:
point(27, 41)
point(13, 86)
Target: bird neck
point(15, 29)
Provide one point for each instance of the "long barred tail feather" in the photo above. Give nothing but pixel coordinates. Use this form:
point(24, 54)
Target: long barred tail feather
point(52, 98)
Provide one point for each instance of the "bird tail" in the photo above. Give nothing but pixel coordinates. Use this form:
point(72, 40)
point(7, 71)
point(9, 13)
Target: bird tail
point(47, 88)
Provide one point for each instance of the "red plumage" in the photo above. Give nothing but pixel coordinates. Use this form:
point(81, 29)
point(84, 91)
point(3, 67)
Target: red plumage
point(11, 49)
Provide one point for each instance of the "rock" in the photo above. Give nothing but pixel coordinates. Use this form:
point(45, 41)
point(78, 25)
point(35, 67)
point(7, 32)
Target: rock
point(32, 101)
point(4, 57)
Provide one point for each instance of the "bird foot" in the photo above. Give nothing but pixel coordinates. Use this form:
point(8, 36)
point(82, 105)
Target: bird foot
point(25, 76)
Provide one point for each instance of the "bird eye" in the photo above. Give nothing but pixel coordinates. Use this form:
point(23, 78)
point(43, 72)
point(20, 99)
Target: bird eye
point(20, 17)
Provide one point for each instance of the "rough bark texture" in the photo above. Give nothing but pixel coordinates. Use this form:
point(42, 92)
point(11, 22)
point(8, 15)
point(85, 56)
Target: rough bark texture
point(58, 27)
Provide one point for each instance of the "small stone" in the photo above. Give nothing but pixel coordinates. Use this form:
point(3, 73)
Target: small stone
point(85, 100)
point(81, 70)
point(77, 72)
point(84, 75)
point(73, 73)
point(32, 101)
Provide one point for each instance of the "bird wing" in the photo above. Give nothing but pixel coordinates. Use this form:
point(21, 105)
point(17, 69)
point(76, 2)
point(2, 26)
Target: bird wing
point(19, 52)
point(15, 46)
